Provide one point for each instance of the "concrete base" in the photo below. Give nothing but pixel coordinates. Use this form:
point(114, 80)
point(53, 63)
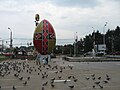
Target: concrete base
point(90, 59)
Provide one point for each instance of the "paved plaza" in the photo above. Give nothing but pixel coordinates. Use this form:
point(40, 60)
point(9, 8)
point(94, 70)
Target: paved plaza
point(59, 75)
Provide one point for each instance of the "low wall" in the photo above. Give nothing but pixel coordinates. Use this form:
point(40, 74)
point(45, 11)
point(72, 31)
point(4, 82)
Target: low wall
point(90, 59)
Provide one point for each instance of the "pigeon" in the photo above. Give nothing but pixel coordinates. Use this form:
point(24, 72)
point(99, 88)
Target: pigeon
point(46, 76)
point(52, 85)
point(44, 84)
point(21, 78)
point(56, 72)
point(42, 88)
point(60, 71)
point(13, 87)
point(99, 78)
point(107, 75)
point(108, 78)
point(71, 86)
point(101, 87)
point(87, 78)
point(25, 83)
point(75, 80)
point(73, 77)
point(29, 72)
point(69, 77)
point(65, 81)
point(52, 79)
point(105, 81)
point(28, 78)
point(97, 82)
point(43, 76)
point(93, 75)
point(93, 78)
point(93, 86)
point(59, 77)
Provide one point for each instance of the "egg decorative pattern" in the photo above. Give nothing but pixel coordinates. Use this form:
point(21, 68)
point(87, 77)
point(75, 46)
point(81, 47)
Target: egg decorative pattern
point(44, 38)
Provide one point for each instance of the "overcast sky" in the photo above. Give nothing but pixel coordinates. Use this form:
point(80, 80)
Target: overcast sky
point(66, 16)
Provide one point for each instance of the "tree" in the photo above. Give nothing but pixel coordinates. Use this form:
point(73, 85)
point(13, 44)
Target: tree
point(98, 37)
point(113, 40)
point(80, 46)
point(88, 43)
point(117, 39)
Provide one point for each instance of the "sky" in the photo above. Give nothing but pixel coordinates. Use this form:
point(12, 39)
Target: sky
point(66, 16)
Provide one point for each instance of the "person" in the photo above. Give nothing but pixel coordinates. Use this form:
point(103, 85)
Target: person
point(47, 60)
point(44, 61)
point(38, 59)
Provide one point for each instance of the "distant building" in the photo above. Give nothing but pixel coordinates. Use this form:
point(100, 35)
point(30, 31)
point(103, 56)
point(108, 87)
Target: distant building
point(100, 49)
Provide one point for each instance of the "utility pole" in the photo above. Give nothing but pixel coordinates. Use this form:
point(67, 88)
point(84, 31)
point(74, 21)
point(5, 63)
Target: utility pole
point(2, 45)
point(75, 44)
point(11, 45)
point(104, 36)
point(93, 37)
point(94, 49)
point(104, 33)
point(112, 44)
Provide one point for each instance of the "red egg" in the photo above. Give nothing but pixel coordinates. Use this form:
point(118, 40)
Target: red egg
point(44, 37)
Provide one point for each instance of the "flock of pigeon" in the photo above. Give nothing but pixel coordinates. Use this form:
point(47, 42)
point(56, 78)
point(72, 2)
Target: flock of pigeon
point(99, 81)
point(51, 75)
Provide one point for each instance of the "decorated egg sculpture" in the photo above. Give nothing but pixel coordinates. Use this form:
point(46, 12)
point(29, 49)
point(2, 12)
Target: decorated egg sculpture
point(44, 37)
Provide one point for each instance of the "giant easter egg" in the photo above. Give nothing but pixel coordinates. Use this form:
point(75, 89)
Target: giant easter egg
point(44, 37)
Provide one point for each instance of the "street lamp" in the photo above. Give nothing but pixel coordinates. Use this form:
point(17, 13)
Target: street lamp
point(104, 32)
point(93, 35)
point(2, 45)
point(94, 49)
point(112, 44)
point(104, 36)
point(10, 38)
point(75, 44)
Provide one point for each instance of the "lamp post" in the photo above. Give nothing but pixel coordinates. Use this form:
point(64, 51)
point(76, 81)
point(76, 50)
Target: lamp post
point(94, 49)
point(75, 44)
point(104, 32)
point(112, 44)
point(104, 36)
point(10, 38)
point(2, 45)
point(93, 36)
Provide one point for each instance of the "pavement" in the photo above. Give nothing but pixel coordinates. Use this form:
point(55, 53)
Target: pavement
point(59, 75)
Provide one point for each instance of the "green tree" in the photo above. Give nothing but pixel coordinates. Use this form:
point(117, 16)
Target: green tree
point(98, 37)
point(88, 43)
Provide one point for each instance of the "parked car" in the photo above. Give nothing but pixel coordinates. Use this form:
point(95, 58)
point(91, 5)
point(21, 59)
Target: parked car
point(101, 53)
point(8, 54)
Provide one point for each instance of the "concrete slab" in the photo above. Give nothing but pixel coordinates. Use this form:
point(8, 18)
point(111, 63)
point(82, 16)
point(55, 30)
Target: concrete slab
point(82, 75)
